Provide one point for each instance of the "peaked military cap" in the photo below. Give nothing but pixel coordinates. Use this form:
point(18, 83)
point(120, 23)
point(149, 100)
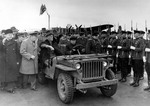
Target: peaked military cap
point(136, 31)
point(48, 34)
point(113, 32)
point(95, 34)
point(142, 32)
point(123, 32)
point(43, 30)
point(73, 38)
point(129, 32)
point(103, 32)
point(34, 33)
point(82, 33)
point(8, 31)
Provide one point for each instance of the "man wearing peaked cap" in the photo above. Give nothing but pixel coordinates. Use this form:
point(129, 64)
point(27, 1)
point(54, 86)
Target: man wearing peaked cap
point(123, 55)
point(129, 32)
point(29, 64)
point(137, 57)
point(147, 61)
point(69, 47)
point(104, 41)
point(82, 40)
point(93, 45)
point(112, 48)
point(129, 36)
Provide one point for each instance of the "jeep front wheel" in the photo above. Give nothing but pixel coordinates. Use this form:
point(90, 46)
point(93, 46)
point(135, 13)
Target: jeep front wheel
point(109, 90)
point(65, 88)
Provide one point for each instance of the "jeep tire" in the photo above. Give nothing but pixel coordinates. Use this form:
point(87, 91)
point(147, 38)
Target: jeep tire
point(65, 87)
point(109, 90)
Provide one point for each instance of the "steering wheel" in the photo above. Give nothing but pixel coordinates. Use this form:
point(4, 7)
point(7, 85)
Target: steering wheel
point(78, 48)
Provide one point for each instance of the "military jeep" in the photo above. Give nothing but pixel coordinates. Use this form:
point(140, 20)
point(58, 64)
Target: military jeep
point(79, 72)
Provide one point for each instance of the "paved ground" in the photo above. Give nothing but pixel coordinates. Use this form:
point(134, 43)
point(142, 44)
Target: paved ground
point(47, 96)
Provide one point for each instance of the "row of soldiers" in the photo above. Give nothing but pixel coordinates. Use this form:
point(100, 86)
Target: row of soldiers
point(128, 49)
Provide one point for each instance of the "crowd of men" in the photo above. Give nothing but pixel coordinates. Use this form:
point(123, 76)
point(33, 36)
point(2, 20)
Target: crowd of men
point(23, 54)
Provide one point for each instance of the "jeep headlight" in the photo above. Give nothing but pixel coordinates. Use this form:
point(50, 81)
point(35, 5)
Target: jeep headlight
point(105, 63)
point(77, 66)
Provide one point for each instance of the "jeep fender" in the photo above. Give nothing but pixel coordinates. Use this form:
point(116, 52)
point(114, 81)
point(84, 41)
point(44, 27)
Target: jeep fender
point(63, 69)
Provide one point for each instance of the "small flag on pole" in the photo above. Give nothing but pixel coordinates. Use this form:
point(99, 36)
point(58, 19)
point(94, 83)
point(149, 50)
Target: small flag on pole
point(42, 9)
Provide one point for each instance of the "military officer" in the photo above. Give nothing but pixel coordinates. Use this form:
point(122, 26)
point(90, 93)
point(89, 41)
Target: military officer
point(129, 38)
point(93, 45)
point(118, 53)
point(69, 47)
point(104, 41)
point(142, 72)
point(112, 48)
point(137, 57)
point(82, 40)
point(124, 56)
point(147, 60)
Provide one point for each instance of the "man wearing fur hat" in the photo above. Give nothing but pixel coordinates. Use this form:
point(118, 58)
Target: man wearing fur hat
point(10, 73)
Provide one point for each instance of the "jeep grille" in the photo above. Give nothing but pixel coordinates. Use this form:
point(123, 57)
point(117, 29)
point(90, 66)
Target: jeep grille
point(92, 70)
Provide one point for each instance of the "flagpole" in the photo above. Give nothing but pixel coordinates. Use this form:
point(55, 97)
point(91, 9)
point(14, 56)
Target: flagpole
point(48, 20)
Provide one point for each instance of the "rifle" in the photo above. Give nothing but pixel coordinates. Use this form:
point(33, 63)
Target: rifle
point(130, 59)
point(117, 51)
point(146, 40)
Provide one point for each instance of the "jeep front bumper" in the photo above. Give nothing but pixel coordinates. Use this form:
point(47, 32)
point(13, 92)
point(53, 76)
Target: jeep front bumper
point(96, 84)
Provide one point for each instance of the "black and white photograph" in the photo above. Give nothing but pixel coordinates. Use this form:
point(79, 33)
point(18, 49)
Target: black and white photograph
point(74, 52)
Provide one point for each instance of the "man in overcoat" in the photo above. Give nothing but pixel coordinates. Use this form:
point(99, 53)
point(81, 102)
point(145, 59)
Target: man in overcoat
point(29, 63)
point(10, 51)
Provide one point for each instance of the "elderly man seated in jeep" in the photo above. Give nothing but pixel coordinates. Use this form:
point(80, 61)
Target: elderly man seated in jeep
point(74, 48)
point(47, 50)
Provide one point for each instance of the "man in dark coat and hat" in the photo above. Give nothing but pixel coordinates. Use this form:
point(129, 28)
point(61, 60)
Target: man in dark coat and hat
point(10, 73)
point(2, 58)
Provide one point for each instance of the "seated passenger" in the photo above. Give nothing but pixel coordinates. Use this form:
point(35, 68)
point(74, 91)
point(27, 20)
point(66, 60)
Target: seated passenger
point(82, 40)
point(69, 47)
point(47, 50)
point(93, 45)
point(64, 40)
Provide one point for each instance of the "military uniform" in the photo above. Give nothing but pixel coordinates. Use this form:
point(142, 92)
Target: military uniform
point(82, 40)
point(129, 61)
point(113, 49)
point(70, 46)
point(104, 41)
point(124, 57)
point(93, 46)
point(137, 58)
point(147, 64)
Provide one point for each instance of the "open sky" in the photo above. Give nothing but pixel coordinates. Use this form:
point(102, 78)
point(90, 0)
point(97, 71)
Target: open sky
point(24, 14)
